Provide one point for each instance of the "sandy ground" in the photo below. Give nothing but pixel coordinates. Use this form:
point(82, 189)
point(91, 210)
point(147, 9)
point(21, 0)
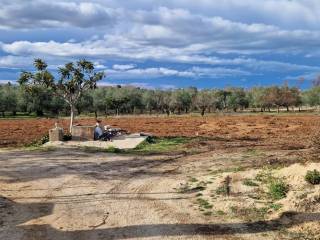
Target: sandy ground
point(79, 195)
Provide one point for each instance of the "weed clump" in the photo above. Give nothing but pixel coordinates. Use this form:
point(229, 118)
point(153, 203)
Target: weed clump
point(250, 213)
point(39, 142)
point(313, 177)
point(278, 189)
point(224, 189)
point(249, 182)
point(204, 203)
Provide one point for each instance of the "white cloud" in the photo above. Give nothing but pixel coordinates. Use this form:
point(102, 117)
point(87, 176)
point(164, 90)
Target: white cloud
point(14, 61)
point(123, 66)
point(187, 32)
point(137, 84)
point(3, 81)
point(54, 14)
point(158, 72)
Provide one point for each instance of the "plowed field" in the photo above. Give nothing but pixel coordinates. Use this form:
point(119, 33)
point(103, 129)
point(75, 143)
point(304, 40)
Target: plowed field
point(292, 131)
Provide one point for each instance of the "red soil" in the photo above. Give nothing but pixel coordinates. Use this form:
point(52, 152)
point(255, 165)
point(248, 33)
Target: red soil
point(289, 130)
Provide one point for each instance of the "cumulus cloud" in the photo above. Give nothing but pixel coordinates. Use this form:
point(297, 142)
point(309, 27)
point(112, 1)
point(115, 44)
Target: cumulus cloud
point(54, 14)
point(206, 38)
point(14, 61)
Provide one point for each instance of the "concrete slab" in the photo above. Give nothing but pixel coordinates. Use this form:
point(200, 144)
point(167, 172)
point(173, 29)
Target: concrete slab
point(122, 142)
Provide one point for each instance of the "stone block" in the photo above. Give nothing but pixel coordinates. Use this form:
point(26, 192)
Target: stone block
point(83, 133)
point(56, 134)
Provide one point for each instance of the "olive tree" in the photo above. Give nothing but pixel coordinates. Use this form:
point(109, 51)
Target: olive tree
point(204, 100)
point(74, 79)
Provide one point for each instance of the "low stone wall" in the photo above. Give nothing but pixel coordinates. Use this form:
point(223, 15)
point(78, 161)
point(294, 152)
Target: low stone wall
point(83, 133)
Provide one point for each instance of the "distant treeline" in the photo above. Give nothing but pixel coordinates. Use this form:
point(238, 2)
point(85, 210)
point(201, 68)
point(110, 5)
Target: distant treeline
point(131, 100)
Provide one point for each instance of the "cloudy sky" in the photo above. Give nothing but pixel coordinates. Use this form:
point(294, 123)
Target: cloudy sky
point(167, 43)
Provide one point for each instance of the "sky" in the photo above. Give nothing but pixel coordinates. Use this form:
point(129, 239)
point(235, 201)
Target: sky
point(167, 43)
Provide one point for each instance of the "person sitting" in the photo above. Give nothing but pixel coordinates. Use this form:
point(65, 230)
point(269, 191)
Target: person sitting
point(98, 130)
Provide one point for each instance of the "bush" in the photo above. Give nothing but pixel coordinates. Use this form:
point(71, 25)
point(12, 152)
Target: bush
point(278, 189)
point(44, 140)
point(39, 142)
point(313, 177)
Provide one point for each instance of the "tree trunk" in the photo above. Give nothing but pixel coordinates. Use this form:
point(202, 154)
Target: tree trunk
point(96, 114)
point(71, 118)
point(202, 111)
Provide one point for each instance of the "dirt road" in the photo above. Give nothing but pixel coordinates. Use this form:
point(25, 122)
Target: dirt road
point(77, 195)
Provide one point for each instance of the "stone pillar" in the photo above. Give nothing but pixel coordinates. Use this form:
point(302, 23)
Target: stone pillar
point(56, 134)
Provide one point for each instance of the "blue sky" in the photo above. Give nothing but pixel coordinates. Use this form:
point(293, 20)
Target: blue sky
point(167, 43)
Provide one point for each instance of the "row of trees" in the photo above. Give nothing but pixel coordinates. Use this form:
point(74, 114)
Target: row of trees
point(130, 100)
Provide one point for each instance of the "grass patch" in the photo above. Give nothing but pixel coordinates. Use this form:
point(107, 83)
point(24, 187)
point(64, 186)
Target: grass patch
point(275, 206)
point(249, 182)
point(41, 148)
point(250, 213)
point(208, 213)
point(277, 189)
point(204, 204)
point(222, 190)
point(114, 150)
point(161, 145)
point(265, 176)
point(220, 213)
point(313, 177)
point(152, 145)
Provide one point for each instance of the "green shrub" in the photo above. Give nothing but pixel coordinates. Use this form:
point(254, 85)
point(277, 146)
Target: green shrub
point(313, 177)
point(278, 189)
point(39, 142)
point(44, 139)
